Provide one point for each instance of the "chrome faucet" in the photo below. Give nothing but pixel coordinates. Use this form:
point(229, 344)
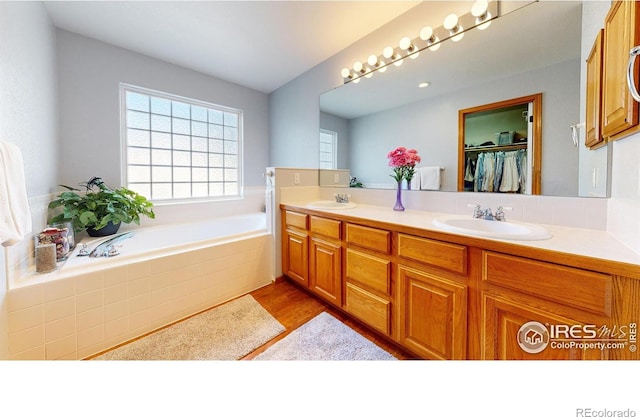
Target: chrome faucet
point(107, 248)
point(499, 216)
point(478, 213)
point(342, 198)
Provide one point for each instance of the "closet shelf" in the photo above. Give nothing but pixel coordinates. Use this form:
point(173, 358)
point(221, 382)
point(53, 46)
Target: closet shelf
point(511, 147)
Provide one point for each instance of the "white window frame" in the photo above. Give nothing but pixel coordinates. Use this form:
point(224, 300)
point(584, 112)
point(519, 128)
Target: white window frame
point(334, 148)
point(124, 88)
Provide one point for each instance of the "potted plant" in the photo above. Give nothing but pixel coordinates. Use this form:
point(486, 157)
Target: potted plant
point(100, 209)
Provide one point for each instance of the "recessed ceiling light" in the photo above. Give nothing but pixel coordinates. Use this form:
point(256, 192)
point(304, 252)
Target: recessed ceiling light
point(424, 84)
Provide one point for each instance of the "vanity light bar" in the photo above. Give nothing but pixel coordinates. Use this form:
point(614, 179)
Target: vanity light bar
point(454, 27)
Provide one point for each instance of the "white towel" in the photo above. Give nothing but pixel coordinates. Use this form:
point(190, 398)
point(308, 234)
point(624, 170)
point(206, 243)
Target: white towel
point(429, 178)
point(15, 215)
point(415, 181)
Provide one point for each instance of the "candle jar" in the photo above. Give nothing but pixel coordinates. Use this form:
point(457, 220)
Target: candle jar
point(70, 232)
point(45, 255)
point(59, 238)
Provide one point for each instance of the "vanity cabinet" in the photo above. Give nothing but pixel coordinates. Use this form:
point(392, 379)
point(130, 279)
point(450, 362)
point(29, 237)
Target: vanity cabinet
point(446, 296)
point(542, 307)
point(432, 281)
point(368, 278)
point(295, 253)
point(325, 259)
point(621, 33)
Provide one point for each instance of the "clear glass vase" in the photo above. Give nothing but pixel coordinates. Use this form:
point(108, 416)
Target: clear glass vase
point(399, 206)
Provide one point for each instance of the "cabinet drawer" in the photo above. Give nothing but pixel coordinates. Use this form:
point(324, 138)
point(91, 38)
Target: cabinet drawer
point(369, 238)
point(585, 290)
point(432, 252)
point(294, 219)
point(368, 307)
point(326, 227)
point(370, 271)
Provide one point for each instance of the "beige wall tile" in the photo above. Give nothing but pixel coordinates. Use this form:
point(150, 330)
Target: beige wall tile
point(61, 288)
point(92, 337)
point(116, 311)
point(89, 282)
point(90, 318)
point(26, 318)
point(139, 286)
point(26, 339)
point(58, 309)
point(138, 270)
point(161, 280)
point(89, 300)
point(25, 297)
point(139, 303)
point(116, 293)
point(58, 329)
point(115, 276)
point(36, 353)
point(64, 348)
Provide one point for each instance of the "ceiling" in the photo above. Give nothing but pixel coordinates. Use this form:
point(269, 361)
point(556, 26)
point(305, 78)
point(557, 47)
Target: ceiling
point(258, 44)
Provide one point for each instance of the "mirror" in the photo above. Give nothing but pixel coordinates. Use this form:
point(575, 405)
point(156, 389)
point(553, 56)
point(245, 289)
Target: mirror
point(535, 49)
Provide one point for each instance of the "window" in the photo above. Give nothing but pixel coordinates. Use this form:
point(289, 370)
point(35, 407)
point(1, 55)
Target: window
point(177, 148)
point(328, 149)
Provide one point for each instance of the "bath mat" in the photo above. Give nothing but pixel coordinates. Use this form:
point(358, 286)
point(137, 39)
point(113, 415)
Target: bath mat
point(325, 338)
point(227, 332)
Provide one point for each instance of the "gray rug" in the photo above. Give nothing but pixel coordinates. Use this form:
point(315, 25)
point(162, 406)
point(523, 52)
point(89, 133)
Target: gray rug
point(227, 332)
point(324, 338)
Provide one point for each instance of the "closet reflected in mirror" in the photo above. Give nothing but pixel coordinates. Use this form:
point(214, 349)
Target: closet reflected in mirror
point(499, 146)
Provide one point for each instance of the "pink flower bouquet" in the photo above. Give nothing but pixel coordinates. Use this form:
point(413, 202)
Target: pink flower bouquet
point(403, 161)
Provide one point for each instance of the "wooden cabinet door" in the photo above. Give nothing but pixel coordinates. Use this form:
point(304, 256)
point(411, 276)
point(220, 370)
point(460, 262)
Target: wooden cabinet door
point(594, 94)
point(513, 330)
point(296, 256)
point(620, 111)
point(433, 315)
point(325, 266)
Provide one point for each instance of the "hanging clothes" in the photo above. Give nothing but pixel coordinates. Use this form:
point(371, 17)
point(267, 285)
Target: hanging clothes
point(499, 171)
point(510, 175)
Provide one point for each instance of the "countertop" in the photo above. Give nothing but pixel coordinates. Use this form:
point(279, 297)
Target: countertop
point(569, 240)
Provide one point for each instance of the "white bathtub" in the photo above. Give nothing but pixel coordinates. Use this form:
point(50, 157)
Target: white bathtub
point(163, 274)
point(160, 241)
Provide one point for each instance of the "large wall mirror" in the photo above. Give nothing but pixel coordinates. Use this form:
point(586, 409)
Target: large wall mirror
point(532, 50)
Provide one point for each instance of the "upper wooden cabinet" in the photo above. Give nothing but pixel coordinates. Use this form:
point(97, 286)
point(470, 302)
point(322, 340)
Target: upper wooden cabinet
point(594, 96)
point(621, 33)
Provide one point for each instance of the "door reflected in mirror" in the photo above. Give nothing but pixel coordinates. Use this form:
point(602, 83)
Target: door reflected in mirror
point(499, 146)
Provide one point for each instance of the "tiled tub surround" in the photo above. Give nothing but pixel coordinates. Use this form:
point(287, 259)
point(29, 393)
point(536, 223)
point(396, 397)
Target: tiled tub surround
point(98, 303)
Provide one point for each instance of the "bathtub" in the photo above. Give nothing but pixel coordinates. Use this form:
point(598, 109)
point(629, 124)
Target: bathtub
point(162, 275)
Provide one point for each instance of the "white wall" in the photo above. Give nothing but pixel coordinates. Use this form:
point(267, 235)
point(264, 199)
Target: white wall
point(28, 105)
point(90, 73)
point(431, 127)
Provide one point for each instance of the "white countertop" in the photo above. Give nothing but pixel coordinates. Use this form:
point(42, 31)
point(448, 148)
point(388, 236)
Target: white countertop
point(570, 240)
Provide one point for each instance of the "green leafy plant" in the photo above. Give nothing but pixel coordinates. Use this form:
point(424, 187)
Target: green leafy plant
point(99, 205)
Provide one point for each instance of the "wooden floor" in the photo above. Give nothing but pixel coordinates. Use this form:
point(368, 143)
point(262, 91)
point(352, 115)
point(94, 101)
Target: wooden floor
point(292, 307)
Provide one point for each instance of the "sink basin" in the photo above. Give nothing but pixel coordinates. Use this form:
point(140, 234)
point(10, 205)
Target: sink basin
point(492, 228)
point(330, 205)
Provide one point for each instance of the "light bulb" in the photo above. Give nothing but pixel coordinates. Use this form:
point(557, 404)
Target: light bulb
point(479, 11)
point(387, 52)
point(405, 43)
point(346, 73)
point(451, 21)
point(426, 34)
point(372, 60)
point(356, 81)
point(357, 66)
point(451, 24)
point(479, 8)
point(398, 62)
point(414, 55)
point(424, 84)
